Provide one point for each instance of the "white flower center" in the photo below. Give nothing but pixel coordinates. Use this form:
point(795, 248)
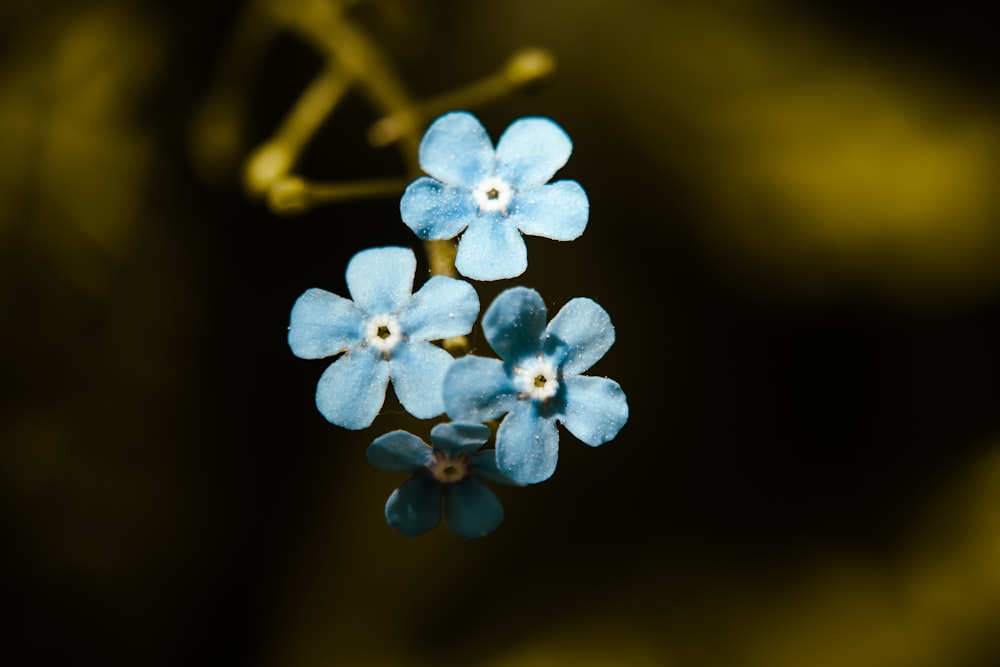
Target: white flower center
point(447, 469)
point(537, 379)
point(492, 194)
point(383, 333)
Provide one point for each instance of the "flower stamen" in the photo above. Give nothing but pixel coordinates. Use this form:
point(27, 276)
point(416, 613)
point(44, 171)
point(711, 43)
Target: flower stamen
point(383, 334)
point(536, 378)
point(448, 470)
point(492, 194)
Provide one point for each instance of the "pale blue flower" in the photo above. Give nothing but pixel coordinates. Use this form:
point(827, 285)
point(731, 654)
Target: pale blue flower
point(538, 381)
point(494, 195)
point(383, 334)
point(448, 473)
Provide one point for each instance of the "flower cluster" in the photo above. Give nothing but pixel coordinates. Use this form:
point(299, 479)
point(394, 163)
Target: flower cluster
point(537, 381)
point(488, 197)
point(448, 472)
point(494, 195)
point(383, 334)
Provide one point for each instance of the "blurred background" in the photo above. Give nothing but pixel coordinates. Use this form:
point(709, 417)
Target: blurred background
point(794, 225)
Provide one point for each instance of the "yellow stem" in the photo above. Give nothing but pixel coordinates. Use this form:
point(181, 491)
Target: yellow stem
point(322, 25)
point(293, 195)
point(274, 159)
point(523, 68)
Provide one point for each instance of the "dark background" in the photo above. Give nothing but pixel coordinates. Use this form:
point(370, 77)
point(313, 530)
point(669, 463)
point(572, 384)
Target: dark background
point(793, 226)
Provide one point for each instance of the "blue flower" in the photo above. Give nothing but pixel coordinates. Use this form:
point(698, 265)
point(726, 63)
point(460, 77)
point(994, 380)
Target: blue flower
point(447, 473)
point(495, 196)
point(538, 382)
point(382, 334)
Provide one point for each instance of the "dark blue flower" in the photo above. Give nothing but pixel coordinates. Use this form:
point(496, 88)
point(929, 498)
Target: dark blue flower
point(494, 195)
point(447, 474)
point(383, 334)
point(538, 381)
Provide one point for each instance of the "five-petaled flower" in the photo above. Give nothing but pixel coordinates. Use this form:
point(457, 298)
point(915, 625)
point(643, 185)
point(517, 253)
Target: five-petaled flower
point(538, 381)
point(448, 473)
point(382, 334)
point(494, 195)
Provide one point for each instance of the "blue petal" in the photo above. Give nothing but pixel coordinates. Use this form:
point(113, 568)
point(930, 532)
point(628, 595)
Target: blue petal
point(459, 437)
point(527, 445)
point(324, 324)
point(596, 408)
point(443, 307)
point(417, 369)
point(531, 151)
point(582, 331)
point(415, 507)
point(477, 389)
point(381, 279)
point(470, 509)
point(436, 211)
point(484, 464)
point(351, 391)
point(556, 211)
point(514, 323)
point(491, 249)
point(456, 150)
point(399, 451)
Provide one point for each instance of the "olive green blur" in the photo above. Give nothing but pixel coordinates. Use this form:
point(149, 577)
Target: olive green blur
point(795, 227)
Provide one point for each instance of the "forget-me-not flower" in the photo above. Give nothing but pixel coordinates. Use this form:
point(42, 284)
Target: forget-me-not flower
point(383, 334)
point(494, 195)
point(448, 473)
point(538, 381)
